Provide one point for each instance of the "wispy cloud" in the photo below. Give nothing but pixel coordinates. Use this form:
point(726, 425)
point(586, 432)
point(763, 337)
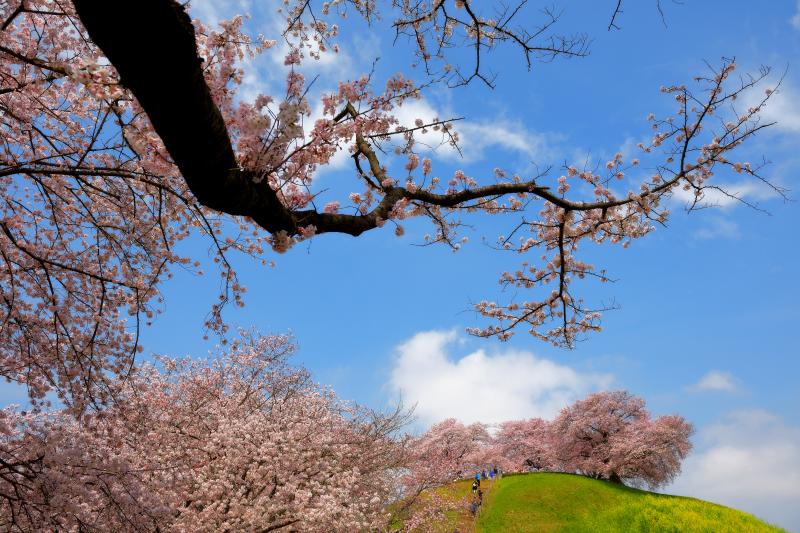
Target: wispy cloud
point(481, 386)
point(211, 12)
point(748, 461)
point(715, 380)
point(751, 191)
point(718, 228)
point(478, 137)
point(796, 18)
point(783, 107)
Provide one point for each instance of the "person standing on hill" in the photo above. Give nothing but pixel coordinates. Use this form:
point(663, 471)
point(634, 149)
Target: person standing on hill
point(473, 508)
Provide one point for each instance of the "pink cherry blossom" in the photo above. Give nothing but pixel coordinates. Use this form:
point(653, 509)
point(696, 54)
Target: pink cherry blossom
point(242, 441)
point(96, 204)
point(610, 435)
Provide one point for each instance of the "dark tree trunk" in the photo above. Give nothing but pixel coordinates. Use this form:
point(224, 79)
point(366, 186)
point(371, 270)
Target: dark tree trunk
point(152, 45)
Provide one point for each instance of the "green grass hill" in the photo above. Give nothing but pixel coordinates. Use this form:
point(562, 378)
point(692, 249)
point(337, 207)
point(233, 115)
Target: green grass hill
point(549, 502)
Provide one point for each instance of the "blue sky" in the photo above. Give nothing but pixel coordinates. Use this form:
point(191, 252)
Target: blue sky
point(708, 321)
point(707, 325)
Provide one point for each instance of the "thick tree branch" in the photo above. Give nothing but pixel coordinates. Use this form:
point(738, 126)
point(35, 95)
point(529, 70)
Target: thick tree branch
point(189, 123)
point(165, 74)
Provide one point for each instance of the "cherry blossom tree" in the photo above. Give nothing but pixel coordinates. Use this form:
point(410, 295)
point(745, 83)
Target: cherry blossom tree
point(523, 445)
point(116, 147)
point(449, 450)
point(610, 435)
point(240, 442)
point(446, 452)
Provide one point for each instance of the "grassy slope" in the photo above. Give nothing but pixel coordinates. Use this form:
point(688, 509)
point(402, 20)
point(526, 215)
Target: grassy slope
point(565, 503)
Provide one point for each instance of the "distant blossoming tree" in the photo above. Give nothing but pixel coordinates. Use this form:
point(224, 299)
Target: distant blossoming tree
point(610, 435)
point(123, 133)
point(449, 450)
point(241, 442)
point(523, 445)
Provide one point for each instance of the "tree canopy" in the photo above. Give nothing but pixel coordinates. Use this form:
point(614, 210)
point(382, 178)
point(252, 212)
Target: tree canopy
point(127, 130)
point(116, 147)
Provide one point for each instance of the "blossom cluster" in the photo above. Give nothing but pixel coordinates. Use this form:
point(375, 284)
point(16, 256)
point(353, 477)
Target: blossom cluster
point(94, 205)
point(608, 435)
point(240, 442)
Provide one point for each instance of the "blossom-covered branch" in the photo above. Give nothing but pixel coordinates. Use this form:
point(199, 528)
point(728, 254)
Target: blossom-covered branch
point(113, 153)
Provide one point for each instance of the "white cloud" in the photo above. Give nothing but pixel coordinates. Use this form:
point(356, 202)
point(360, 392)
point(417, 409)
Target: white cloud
point(715, 380)
point(509, 384)
point(750, 191)
point(475, 137)
point(718, 228)
point(630, 147)
point(782, 106)
point(783, 109)
point(749, 461)
point(411, 110)
point(267, 73)
point(339, 65)
point(211, 11)
point(796, 18)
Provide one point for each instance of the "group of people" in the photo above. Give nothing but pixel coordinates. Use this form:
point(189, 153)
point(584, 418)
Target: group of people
point(476, 487)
